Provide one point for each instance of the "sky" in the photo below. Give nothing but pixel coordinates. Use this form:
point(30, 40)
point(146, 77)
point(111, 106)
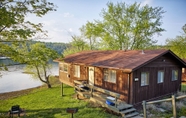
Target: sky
point(73, 14)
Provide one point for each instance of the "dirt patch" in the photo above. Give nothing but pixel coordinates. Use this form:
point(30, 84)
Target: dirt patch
point(13, 94)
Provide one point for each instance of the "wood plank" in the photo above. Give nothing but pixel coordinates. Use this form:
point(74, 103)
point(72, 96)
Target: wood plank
point(127, 111)
point(131, 115)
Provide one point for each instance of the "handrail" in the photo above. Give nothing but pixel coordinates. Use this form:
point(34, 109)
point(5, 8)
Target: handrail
point(116, 95)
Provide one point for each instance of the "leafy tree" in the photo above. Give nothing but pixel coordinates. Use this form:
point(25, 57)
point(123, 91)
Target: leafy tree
point(90, 32)
point(13, 26)
point(36, 57)
point(12, 18)
point(78, 44)
point(178, 44)
point(126, 26)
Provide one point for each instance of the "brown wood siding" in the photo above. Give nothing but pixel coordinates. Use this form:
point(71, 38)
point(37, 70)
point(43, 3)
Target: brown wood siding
point(68, 78)
point(98, 76)
point(65, 77)
point(184, 75)
point(121, 85)
point(155, 89)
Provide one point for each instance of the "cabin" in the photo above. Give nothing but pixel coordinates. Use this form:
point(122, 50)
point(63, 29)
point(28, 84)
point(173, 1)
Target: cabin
point(184, 73)
point(136, 75)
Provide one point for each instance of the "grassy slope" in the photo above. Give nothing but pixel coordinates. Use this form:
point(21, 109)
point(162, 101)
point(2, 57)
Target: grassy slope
point(47, 103)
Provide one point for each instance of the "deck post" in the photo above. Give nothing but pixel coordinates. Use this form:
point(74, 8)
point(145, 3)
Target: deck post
point(174, 106)
point(115, 101)
point(62, 89)
point(144, 109)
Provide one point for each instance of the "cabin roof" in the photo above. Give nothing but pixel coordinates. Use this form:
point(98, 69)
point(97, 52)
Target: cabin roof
point(127, 61)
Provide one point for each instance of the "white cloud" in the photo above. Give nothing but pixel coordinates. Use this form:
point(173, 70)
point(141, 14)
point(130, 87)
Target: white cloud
point(146, 2)
point(66, 15)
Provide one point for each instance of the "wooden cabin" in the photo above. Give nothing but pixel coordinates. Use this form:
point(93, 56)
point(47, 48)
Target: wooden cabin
point(136, 75)
point(184, 73)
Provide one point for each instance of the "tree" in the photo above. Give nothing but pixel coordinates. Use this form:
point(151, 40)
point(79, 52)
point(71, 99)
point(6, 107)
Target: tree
point(78, 44)
point(90, 33)
point(178, 44)
point(127, 26)
point(36, 57)
point(12, 18)
point(13, 26)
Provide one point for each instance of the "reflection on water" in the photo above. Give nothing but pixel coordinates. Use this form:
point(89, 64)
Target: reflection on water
point(14, 79)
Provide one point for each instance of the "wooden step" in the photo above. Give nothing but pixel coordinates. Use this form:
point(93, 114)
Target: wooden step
point(124, 106)
point(131, 115)
point(128, 111)
point(102, 102)
point(84, 94)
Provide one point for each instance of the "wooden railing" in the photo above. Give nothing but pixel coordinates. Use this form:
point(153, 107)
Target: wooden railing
point(94, 88)
point(173, 99)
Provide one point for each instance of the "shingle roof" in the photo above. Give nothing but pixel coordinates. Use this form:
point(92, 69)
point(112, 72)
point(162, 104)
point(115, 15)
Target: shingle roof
point(125, 60)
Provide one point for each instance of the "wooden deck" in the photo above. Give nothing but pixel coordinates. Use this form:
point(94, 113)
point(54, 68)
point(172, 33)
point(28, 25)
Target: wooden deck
point(100, 96)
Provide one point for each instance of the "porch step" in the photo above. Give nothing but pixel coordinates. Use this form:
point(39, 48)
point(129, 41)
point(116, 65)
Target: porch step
point(128, 110)
point(124, 106)
point(84, 94)
point(130, 115)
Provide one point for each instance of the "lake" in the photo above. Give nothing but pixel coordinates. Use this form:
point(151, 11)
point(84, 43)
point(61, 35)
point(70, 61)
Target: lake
point(14, 79)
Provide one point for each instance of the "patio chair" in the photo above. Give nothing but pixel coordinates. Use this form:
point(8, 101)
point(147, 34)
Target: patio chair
point(15, 110)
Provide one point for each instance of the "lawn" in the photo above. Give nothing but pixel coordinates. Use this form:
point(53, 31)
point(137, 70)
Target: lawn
point(183, 87)
point(47, 103)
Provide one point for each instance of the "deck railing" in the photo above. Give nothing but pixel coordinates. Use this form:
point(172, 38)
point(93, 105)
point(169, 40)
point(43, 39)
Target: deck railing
point(94, 88)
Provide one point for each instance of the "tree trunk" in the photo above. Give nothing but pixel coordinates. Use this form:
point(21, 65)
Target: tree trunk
point(47, 82)
point(49, 85)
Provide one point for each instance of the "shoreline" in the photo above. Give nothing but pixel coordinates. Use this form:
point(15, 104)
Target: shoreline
point(13, 94)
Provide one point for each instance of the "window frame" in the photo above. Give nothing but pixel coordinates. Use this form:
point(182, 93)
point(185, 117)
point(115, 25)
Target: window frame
point(183, 70)
point(161, 80)
point(174, 75)
point(63, 67)
point(109, 75)
point(146, 81)
point(77, 71)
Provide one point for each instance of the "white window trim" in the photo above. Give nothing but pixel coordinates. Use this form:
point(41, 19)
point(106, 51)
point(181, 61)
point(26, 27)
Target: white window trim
point(110, 76)
point(162, 78)
point(62, 67)
point(145, 82)
point(77, 71)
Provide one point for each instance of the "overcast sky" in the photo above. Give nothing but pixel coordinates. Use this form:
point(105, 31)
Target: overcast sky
point(72, 14)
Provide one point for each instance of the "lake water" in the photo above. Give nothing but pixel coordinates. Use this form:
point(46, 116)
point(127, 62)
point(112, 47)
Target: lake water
point(14, 79)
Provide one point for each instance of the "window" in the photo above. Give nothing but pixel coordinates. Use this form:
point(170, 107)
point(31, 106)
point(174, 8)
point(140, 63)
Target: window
point(144, 78)
point(77, 71)
point(110, 75)
point(160, 76)
point(63, 67)
point(174, 75)
point(183, 70)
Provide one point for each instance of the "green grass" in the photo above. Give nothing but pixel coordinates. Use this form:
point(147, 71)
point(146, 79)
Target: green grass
point(47, 103)
point(183, 87)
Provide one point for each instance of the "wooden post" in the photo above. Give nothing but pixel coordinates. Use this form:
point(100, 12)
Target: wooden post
point(144, 109)
point(174, 106)
point(62, 89)
point(115, 101)
point(91, 92)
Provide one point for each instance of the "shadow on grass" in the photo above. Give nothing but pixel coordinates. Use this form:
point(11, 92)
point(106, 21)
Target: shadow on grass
point(83, 112)
point(39, 113)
